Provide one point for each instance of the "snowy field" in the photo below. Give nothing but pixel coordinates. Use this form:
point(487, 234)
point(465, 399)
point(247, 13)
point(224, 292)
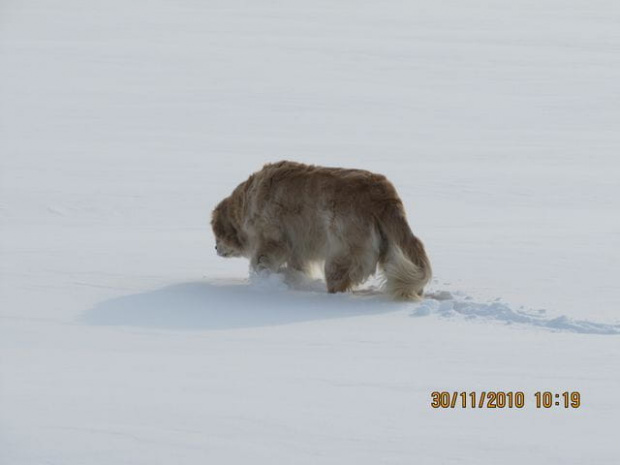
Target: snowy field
point(124, 339)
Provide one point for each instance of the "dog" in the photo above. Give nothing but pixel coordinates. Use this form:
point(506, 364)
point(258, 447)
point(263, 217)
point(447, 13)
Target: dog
point(291, 214)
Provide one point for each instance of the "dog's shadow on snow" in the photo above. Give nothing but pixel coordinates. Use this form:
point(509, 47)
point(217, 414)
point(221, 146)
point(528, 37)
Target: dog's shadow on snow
point(226, 305)
point(220, 305)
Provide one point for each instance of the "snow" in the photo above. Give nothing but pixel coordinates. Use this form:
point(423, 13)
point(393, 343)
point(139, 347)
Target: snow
point(123, 337)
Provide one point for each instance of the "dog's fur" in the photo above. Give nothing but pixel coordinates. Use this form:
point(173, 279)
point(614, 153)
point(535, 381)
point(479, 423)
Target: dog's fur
point(352, 220)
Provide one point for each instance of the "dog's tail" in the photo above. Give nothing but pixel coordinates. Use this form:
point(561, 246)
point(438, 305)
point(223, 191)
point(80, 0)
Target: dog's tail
point(405, 264)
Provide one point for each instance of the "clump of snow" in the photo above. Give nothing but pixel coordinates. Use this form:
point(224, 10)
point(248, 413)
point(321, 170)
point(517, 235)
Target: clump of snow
point(448, 304)
point(443, 304)
point(286, 279)
point(267, 282)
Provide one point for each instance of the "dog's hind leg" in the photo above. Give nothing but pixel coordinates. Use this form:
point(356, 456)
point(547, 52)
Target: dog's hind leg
point(343, 272)
point(337, 274)
point(297, 263)
point(353, 259)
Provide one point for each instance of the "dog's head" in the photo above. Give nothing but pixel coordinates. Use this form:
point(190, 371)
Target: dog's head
point(228, 240)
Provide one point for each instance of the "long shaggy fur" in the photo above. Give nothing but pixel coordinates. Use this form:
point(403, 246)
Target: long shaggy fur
point(294, 215)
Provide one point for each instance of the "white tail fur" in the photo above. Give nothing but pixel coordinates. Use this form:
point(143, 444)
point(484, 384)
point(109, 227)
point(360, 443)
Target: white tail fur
point(404, 280)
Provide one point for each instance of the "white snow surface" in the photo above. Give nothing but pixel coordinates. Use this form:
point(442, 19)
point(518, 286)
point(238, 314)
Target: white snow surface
point(124, 339)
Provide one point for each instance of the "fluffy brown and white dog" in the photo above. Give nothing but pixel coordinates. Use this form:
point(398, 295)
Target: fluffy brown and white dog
point(351, 220)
